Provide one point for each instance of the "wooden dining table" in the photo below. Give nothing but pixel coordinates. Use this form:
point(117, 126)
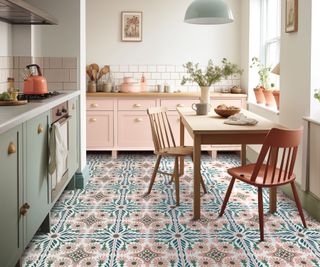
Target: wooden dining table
point(209, 130)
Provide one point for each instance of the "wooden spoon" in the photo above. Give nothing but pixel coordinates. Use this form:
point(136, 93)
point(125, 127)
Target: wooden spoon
point(94, 75)
point(95, 67)
point(89, 72)
point(103, 71)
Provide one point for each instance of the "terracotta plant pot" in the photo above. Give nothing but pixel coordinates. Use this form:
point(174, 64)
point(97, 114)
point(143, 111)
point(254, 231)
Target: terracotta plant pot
point(270, 102)
point(258, 92)
point(276, 95)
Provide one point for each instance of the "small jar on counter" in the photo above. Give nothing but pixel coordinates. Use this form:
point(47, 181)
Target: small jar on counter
point(92, 86)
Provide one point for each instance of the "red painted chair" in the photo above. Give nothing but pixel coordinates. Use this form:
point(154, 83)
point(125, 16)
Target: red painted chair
point(279, 143)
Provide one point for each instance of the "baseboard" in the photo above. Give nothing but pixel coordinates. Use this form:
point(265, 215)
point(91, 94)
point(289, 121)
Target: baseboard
point(82, 178)
point(309, 202)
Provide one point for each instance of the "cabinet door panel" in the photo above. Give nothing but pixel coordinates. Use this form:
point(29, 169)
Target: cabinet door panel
point(134, 130)
point(36, 182)
point(73, 128)
point(10, 200)
point(99, 130)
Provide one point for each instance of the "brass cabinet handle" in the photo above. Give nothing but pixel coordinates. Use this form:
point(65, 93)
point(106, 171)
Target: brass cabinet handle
point(40, 128)
point(24, 209)
point(138, 120)
point(180, 105)
point(137, 105)
point(94, 105)
point(11, 148)
point(93, 119)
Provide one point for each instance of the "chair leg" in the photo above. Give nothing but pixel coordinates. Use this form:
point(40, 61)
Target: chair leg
point(176, 180)
point(154, 174)
point(260, 209)
point(226, 198)
point(172, 176)
point(298, 203)
point(203, 185)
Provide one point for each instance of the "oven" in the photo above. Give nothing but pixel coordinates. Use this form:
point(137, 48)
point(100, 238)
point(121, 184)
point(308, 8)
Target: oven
point(59, 178)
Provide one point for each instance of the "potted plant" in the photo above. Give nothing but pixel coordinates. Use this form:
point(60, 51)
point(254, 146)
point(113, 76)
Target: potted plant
point(211, 75)
point(317, 94)
point(263, 91)
point(276, 95)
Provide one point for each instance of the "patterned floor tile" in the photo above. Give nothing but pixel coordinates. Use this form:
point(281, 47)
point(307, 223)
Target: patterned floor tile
point(112, 223)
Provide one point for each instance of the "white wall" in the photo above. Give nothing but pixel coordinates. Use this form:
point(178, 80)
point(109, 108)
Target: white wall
point(6, 39)
point(166, 38)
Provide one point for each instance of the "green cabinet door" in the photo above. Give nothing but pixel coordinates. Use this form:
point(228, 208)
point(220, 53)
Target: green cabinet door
point(73, 128)
point(36, 179)
point(10, 197)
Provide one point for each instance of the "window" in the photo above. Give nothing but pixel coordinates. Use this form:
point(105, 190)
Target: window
point(270, 32)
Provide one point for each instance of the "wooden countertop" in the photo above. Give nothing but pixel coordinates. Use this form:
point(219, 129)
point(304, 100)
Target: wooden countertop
point(165, 95)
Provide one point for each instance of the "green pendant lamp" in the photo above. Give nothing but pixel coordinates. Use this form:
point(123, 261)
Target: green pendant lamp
point(208, 12)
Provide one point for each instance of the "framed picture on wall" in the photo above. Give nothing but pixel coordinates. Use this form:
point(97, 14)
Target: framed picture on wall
point(291, 15)
point(131, 26)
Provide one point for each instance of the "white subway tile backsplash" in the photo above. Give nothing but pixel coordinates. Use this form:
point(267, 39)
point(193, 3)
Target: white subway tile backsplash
point(73, 75)
point(55, 62)
point(170, 68)
point(55, 86)
point(143, 68)
point(128, 74)
point(46, 62)
point(118, 75)
point(38, 61)
point(152, 68)
point(147, 76)
point(161, 68)
point(175, 76)
point(24, 61)
point(114, 68)
point(155, 76)
point(165, 76)
point(15, 62)
point(133, 68)
point(70, 86)
point(180, 68)
point(124, 68)
point(69, 62)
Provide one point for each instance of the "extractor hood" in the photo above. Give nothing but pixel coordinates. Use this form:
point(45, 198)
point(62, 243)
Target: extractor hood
point(21, 12)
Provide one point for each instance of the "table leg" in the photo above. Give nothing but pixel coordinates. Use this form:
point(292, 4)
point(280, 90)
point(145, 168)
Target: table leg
point(196, 177)
point(243, 154)
point(181, 171)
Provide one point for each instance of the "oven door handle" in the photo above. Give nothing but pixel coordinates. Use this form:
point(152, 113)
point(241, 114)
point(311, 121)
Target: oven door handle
point(65, 119)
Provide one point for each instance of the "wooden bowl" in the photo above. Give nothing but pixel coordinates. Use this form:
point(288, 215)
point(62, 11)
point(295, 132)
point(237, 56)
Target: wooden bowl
point(225, 113)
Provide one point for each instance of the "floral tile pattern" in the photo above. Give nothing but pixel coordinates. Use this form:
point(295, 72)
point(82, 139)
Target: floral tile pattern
point(112, 223)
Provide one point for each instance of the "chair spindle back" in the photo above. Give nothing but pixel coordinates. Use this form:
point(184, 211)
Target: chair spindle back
point(279, 144)
point(160, 127)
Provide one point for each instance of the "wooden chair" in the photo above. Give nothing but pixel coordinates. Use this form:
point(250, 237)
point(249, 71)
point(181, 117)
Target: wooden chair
point(279, 143)
point(164, 145)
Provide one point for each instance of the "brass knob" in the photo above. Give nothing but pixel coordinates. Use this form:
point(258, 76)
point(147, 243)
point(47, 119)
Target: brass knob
point(94, 105)
point(12, 148)
point(138, 120)
point(93, 119)
point(180, 105)
point(24, 209)
point(40, 128)
point(137, 105)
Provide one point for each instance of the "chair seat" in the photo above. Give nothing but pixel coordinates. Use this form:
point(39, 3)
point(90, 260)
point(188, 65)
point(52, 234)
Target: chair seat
point(244, 173)
point(176, 151)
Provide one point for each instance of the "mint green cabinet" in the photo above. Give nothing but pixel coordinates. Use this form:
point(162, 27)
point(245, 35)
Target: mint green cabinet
point(73, 128)
point(11, 202)
point(36, 178)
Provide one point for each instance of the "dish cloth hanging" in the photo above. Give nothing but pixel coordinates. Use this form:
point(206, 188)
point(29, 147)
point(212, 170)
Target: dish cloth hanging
point(240, 119)
point(58, 151)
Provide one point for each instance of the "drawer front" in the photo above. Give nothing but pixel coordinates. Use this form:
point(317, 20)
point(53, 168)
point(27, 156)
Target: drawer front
point(136, 104)
point(228, 102)
point(99, 104)
point(99, 129)
point(173, 104)
point(134, 130)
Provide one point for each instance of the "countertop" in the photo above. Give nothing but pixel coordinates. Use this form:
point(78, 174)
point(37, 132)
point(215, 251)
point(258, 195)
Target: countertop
point(164, 95)
point(11, 116)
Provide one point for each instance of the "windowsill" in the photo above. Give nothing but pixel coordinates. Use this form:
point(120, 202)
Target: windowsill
point(264, 108)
